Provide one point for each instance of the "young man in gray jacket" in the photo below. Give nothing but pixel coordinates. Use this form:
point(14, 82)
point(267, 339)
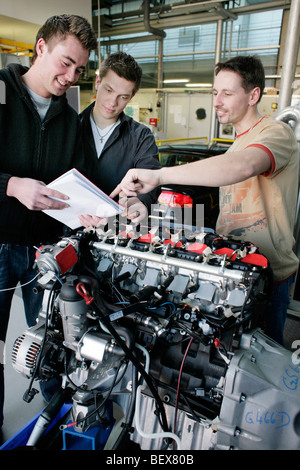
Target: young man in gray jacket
point(38, 142)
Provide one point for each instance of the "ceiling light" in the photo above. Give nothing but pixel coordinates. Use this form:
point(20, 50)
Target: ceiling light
point(177, 80)
point(201, 85)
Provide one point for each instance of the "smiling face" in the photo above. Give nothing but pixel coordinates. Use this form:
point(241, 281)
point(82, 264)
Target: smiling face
point(59, 64)
point(113, 94)
point(231, 101)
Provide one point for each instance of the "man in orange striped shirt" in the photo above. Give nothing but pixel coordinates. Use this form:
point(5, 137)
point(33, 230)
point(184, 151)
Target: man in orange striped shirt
point(257, 176)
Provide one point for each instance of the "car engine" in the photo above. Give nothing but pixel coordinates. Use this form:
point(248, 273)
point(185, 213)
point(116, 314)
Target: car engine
point(158, 341)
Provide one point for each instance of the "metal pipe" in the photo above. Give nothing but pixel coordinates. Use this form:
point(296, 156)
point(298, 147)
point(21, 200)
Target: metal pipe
point(290, 56)
point(217, 59)
point(99, 35)
point(291, 115)
point(160, 61)
point(220, 271)
point(148, 27)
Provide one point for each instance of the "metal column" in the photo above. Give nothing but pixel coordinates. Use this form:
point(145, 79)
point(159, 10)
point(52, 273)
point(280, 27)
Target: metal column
point(290, 56)
point(217, 59)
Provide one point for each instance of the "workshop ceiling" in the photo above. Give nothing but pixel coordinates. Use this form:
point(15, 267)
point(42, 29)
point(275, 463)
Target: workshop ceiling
point(120, 17)
point(135, 21)
point(123, 17)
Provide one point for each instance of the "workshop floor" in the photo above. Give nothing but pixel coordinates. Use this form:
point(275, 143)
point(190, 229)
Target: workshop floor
point(17, 413)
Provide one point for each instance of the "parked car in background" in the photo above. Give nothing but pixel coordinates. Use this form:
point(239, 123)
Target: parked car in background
point(187, 205)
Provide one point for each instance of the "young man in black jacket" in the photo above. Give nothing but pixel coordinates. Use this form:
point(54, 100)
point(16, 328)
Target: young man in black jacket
point(113, 141)
point(38, 142)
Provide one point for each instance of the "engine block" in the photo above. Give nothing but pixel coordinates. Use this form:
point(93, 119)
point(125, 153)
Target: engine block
point(213, 275)
point(184, 312)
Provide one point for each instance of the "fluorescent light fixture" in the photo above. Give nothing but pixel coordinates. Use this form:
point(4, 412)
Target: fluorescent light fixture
point(200, 85)
point(176, 80)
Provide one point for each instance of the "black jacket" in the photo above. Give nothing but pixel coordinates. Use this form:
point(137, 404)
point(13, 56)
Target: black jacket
point(131, 145)
point(34, 149)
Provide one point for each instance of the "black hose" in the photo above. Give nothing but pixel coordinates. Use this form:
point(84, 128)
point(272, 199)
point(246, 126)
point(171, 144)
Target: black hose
point(130, 412)
point(135, 362)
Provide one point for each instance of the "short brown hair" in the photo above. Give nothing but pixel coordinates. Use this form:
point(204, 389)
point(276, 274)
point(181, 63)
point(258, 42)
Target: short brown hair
point(123, 65)
point(63, 25)
point(249, 68)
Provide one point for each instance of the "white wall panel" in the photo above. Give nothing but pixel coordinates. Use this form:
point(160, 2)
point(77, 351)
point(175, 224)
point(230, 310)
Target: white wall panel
point(37, 11)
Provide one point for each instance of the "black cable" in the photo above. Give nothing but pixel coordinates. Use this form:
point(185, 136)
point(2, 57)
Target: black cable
point(197, 336)
point(187, 398)
point(130, 355)
point(30, 393)
point(130, 412)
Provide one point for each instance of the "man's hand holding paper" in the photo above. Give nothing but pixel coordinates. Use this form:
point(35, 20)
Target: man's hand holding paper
point(83, 196)
point(35, 195)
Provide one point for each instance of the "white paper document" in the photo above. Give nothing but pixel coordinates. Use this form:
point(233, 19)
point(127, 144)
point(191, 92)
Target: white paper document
point(84, 198)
